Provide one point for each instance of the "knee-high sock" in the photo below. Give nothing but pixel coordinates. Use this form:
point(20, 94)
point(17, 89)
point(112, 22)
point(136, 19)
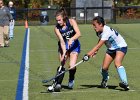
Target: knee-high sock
point(105, 74)
point(122, 74)
point(72, 74)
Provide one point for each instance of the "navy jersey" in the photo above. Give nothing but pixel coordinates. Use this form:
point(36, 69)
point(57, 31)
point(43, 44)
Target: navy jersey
point(67, 33)
point(13, 12)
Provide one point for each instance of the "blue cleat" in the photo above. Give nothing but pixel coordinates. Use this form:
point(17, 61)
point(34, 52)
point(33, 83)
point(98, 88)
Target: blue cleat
point(71, 84)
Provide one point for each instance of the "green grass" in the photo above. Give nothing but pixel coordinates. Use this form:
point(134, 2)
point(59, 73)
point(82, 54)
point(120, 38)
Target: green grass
point(44, 61)
point(9, 65)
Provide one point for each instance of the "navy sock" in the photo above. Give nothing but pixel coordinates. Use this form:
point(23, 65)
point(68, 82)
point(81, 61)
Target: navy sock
point(105, 74)
point(72, 74)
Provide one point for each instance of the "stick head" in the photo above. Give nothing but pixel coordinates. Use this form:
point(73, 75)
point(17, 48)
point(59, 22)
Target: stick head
point(45, 81)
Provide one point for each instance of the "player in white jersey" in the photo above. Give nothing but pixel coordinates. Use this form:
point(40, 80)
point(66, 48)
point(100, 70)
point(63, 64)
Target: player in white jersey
point(113, 39)
point(116, 50)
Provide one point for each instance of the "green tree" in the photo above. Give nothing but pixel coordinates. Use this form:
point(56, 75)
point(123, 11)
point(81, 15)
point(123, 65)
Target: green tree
point(65, 3)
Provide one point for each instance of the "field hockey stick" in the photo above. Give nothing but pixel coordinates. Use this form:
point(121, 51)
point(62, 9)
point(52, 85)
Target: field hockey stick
point(46, 81)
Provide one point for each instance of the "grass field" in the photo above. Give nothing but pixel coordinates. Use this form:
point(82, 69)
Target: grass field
point(44, 61)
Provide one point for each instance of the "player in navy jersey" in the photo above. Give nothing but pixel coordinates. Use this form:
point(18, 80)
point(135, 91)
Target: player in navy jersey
point(68, 33)
point(116, 50)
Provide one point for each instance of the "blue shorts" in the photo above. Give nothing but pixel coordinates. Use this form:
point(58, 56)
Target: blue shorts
point(123, 49)
point(75, 47)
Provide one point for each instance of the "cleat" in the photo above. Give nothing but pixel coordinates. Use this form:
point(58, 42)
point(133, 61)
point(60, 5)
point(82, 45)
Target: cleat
point(71, 84)
point(124, 85)
point(104, 84)
point(54, 88)
point(50, 89)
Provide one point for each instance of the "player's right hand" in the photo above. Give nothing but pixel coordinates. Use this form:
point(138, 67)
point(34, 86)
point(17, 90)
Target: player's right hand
point(93, 55)
point(62, 58)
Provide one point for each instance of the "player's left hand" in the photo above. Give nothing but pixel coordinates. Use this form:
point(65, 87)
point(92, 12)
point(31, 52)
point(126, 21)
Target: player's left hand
point(70, 42)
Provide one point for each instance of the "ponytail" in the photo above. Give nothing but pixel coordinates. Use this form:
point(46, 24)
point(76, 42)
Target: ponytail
point(62, 12)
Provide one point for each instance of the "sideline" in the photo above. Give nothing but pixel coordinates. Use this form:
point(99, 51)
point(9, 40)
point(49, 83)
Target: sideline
point(23, 80)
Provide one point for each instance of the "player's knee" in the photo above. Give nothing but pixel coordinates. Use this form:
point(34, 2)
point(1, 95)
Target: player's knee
point(117, 64)
point(71, 66)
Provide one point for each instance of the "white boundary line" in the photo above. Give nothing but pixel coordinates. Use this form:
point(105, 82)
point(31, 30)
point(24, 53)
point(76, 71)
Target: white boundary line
point(26, 74)
point(84, 91)
point(90, 91)
point(44, 50)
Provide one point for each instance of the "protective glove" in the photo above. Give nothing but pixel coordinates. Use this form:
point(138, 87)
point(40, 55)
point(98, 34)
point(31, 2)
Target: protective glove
point(86, 57)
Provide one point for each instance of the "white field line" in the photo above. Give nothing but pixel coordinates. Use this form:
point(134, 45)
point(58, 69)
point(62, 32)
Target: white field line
point(26, 74)
point(88, 91)
point(83, 91)
point(44, 50)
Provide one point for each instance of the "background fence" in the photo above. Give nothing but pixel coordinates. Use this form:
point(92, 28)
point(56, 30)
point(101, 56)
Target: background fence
point(83, 15)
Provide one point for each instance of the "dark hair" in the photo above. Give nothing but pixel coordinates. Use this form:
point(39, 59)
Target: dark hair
point(99, 20)
point(62, 12)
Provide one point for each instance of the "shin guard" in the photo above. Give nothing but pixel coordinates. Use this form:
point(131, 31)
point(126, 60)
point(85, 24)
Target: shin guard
point(59, 79)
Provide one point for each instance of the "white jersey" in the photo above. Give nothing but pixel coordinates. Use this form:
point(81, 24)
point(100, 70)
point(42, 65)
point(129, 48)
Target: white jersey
point(113, 39)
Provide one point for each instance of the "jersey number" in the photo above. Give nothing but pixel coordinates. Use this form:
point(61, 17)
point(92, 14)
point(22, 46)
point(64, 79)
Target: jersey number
point(67, 37)
point(114, 31)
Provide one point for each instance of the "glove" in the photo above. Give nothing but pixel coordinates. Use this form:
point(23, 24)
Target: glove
point(86, 57)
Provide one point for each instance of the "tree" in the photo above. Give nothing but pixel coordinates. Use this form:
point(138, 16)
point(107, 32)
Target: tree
point(62, 3)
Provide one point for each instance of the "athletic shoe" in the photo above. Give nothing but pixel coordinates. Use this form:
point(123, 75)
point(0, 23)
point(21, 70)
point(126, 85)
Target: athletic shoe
point(71, 84)
point(104, 84)
point(50, 89)
point(124, 85)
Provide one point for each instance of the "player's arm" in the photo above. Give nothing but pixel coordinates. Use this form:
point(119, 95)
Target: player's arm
point(76, 28)
point(62, 43)
point(101, 41)
point(97, 50)
point(93, 51)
